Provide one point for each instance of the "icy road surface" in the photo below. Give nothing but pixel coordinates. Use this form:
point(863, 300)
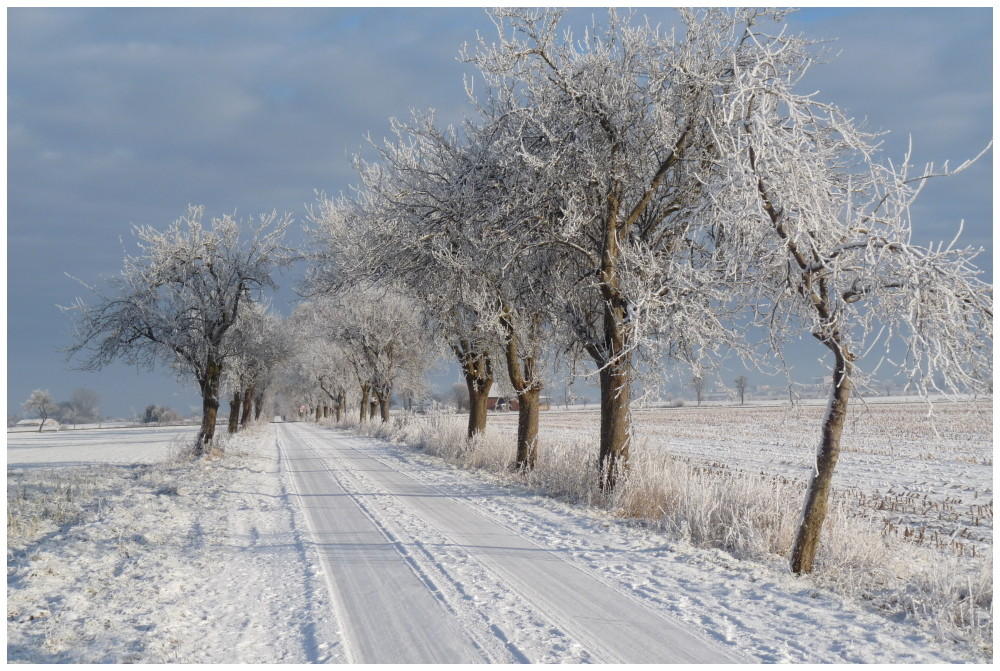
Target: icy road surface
point(422, 576)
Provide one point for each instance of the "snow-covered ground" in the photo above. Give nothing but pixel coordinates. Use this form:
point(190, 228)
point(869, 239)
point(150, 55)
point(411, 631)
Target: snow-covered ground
point(155, 559)
point(908, 467)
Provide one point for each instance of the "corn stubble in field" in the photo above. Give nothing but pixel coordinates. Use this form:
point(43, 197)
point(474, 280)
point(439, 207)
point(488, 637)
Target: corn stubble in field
point(911, 526)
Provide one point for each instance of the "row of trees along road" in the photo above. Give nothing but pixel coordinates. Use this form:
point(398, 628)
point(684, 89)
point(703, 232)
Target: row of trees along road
point(631, 197)
point(640, 197)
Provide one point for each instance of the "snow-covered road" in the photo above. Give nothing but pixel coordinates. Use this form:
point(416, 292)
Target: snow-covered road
point(420, 575)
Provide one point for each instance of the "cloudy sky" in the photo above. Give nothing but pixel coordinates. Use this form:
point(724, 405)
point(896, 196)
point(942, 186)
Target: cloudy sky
point(125, 116)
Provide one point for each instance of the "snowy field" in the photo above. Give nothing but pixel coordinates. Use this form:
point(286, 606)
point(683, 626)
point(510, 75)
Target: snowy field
point(139, 557)
point(925, 477)
point(151, 445)
point(120, 552)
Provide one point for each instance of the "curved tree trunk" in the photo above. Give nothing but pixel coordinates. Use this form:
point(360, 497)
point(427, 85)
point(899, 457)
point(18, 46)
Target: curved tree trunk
point(234, 412)
point(521, 372)
point(818, 496)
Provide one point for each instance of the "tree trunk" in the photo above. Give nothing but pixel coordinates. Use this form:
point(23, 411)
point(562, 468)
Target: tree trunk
point(365, 393)
point(339, 407)
point(234, 412)
point(478, 371)
point(209, 407)
point(616, 392)
point(479, 399)
point(384, 398)
point(319, 412)
point(247, 406)
point(818, 496)
point(258, 404)
point(521, 371)
point(527, 429)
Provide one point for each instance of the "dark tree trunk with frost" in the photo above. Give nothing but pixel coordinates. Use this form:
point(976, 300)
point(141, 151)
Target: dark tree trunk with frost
point(384, 398)
point(365, 393)
point(248, 399)
point(479, 397)
point(341, 401)
point(234, 412)
point(209, 385)
point(818, 496)
point(478, 371)
point(521, 371)
point(615, 422)
point(614, 358)
point(527, 429)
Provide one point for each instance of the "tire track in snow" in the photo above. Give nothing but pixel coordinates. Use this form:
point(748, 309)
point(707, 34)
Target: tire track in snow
point(471, 593)
point(611, 624)
point(390, 610)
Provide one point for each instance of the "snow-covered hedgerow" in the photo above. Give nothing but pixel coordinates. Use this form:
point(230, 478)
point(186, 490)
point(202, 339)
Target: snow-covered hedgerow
point(753, 516)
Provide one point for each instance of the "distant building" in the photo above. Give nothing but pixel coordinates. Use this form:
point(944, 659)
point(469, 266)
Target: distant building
point(502, 403)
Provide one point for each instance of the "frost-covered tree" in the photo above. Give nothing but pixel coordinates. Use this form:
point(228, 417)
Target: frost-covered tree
point(320, 360)
point(698, 385)
point(378, 240)
point(450, 202)
point(41, 404)
point(822, 230)
point(617, 133)
point(741, 387)
point(261, 344)
point(176, 300)
point(375, 336)
point(86, 404)
point(383, 330)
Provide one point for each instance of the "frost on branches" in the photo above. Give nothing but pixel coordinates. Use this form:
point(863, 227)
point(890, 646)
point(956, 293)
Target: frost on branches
point(176, 301)
point(645, 198)
point(260, 344)
point(823, 229)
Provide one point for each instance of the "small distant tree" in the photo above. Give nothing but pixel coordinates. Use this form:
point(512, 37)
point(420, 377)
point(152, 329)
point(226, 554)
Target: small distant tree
point(698, 384)
point(40, 403)
point(86, 404)
point(741, 387)
point(460, 396)
point(151, 415)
